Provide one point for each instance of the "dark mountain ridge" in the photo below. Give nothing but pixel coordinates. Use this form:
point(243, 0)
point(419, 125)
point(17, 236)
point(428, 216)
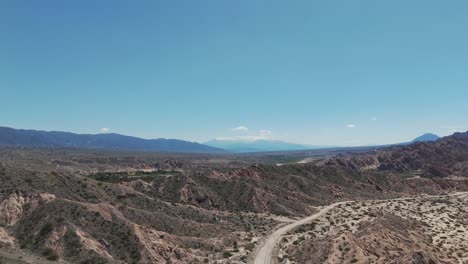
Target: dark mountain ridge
point(54, 139)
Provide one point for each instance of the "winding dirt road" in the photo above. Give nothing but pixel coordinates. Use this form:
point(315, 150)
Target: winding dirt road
point(265, 254)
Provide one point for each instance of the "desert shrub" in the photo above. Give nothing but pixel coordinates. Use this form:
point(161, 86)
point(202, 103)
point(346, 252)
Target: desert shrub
point(93, 261)
point(249, 246)
point(50, 254)
point(46, 229)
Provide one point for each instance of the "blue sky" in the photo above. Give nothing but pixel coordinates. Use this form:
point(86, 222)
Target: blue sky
point(315, 72)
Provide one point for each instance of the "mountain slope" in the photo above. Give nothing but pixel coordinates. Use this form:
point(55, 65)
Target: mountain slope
point(34, 138)
point(426, 138)
point(445, 157)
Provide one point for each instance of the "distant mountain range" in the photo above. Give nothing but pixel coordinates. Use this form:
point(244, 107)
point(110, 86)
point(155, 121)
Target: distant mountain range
point(34, 138)
point(54, 139)
point(242, 146)
point(245, 146)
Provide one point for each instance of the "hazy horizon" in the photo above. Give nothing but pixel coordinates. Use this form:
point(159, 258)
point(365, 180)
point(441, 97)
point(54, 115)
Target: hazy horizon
point(239, 139)
point(366, 73)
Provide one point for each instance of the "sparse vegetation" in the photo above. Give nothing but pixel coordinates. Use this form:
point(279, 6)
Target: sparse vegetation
point(204, 208)
point(50, 254)
point(227, 254)
point(116, 177)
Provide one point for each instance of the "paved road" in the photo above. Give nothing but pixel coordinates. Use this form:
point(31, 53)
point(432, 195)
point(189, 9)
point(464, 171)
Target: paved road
point(265, 254)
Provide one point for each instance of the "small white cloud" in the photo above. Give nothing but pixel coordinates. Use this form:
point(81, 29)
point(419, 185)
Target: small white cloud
point(374, 119)
point(265, 133)
point(241, 128)
point(350, 125)
point(104, 130)
point(452, 129)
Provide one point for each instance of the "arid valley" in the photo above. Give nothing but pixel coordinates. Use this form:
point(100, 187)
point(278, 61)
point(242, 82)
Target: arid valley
point(371, 206)
point(233, 132)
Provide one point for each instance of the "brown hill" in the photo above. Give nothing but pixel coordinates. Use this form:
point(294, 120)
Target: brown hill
point(443, 158)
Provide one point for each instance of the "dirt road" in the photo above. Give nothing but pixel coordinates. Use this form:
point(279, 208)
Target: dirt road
point(264, 255)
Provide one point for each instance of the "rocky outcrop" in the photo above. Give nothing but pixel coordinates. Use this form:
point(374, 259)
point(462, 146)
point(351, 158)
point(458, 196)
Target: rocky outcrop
point(154, 249)
point(92, 244)
point(6, 240)
point(17, 204)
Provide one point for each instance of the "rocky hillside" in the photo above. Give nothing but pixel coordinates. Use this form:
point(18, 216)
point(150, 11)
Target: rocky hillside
point(446, 157)
point(58, 215)
point(63, 204)
point(286, 190)
point(419, 229)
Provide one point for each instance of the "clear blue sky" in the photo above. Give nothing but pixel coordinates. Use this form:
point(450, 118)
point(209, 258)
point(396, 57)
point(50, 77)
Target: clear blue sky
point(316, 72)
